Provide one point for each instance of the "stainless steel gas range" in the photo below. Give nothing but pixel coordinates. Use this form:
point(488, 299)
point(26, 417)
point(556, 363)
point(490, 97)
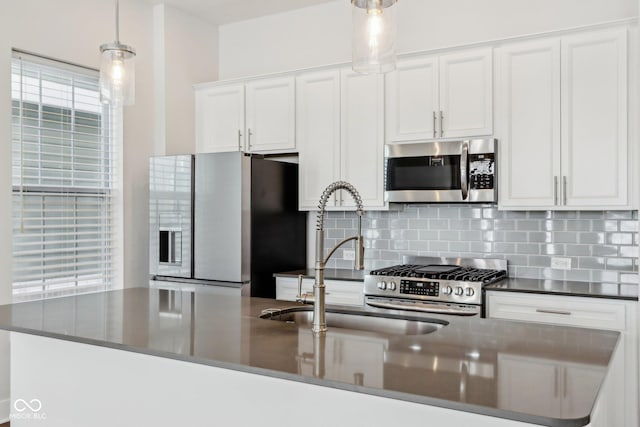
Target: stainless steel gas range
point(433, 284)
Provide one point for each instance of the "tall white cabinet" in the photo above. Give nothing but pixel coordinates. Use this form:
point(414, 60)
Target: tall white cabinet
point(561, 119)
point(318, 134)
point(340, 136)
point(446, 96)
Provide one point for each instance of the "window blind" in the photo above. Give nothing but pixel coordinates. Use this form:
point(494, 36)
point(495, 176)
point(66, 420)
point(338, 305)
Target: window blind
point(63, 179)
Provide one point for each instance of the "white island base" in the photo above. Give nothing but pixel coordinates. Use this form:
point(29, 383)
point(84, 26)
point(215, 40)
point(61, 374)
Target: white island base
point(62, 383)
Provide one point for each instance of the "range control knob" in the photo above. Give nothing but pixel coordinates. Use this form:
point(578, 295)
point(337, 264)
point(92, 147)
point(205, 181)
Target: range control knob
point(470, 292)
point(382, 285)
point(459, 291)
point(446, 290)
point(391, 286)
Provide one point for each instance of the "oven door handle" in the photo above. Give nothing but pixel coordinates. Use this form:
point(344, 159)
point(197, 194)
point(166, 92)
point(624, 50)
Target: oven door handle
point(416, 307)
point(464, 170)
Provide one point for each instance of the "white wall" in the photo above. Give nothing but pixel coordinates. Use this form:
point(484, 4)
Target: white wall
point(321, 34)
point(73, 30)
point(189, 48)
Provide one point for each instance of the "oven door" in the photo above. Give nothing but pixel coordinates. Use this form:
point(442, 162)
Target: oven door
point(435, 307)
point(427, 172)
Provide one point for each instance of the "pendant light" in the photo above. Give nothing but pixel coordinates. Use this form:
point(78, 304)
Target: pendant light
point(117, 71)
point(374, 36)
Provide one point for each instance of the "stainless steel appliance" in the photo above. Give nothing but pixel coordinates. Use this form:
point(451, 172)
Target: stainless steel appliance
point(433, 285)
point(225, 217)
point(442, 171)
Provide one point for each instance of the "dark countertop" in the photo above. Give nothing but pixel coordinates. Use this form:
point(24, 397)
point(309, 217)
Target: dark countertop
point(329, 274)
point(537, 286)
point(567, 288)
point(460, 366)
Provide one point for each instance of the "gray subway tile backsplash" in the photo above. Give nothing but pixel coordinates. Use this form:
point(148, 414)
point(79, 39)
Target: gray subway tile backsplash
point(602, 245)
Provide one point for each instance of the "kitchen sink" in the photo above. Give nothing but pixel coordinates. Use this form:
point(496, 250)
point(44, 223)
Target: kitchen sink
point(356, 320)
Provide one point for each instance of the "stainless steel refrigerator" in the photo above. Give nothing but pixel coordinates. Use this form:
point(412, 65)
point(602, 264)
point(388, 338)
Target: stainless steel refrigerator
point(225, 217)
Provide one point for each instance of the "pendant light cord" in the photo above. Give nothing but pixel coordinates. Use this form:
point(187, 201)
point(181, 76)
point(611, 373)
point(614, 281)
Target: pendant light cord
point(117, 22)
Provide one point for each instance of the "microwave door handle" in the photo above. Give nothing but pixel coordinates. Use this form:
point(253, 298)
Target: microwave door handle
point(464, 166)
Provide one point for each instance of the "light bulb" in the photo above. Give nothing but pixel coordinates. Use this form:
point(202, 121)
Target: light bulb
point(117, 71)
point(375, 28)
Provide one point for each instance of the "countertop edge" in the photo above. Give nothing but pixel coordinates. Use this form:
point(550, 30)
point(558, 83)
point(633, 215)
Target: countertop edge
point(493, 288)
point(502, 286)
point(389, 394)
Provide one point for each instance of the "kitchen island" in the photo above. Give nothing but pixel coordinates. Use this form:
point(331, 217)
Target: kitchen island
point(164, 357)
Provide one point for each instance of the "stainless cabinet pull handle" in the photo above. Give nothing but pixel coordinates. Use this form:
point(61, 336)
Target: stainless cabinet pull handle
point(249, 135)
point(441, 124)
point(435, 132)
point(564, 313)
point(555, 190)
point(564, 190)
point(555, 381)
point(464, 170)
point(239, 140)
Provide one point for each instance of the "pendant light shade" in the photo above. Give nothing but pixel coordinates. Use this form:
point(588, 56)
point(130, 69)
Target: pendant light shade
point(117, 71)
point(374, 36)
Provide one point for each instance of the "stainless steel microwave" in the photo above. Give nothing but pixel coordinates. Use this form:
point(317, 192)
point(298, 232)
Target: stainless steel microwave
point(442, 171)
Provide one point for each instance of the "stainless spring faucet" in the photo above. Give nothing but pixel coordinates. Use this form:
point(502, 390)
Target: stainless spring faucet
point(319, 321)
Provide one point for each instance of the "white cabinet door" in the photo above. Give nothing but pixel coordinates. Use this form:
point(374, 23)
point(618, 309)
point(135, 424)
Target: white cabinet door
point(271, 115)
point(549, 386)
point(338, 292)
point(574, 379)
point(596, 313)
point(412, 100)
point(362, 137)
point(318, 134)
point(528, 123)
point(561, 119)
point(594, 131)
point(466, 93)
point(220, 119)
point(532, 383)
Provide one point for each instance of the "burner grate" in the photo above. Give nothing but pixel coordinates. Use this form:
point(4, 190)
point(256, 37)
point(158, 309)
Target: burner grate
point(455, 273)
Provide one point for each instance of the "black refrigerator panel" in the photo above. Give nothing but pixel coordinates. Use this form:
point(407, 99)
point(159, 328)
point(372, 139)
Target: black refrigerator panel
point(278, 229)
point(170, 219)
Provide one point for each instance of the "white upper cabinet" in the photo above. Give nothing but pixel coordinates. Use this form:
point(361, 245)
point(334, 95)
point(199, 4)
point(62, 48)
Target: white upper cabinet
point(466, 94)
point(362, 137)
point(220, 119)
point(271, 115)
point(594, 111)
point(440, 97)
point(528, 123)
point(318, 134)
point(258, 117)
point(412, 100)
point(340, 135)
point(561, 122)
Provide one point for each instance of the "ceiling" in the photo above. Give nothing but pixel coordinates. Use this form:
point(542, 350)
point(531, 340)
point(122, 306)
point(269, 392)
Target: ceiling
point(224, 11)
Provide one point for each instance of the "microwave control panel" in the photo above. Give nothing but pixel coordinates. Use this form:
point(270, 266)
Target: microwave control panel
point(482, 171)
